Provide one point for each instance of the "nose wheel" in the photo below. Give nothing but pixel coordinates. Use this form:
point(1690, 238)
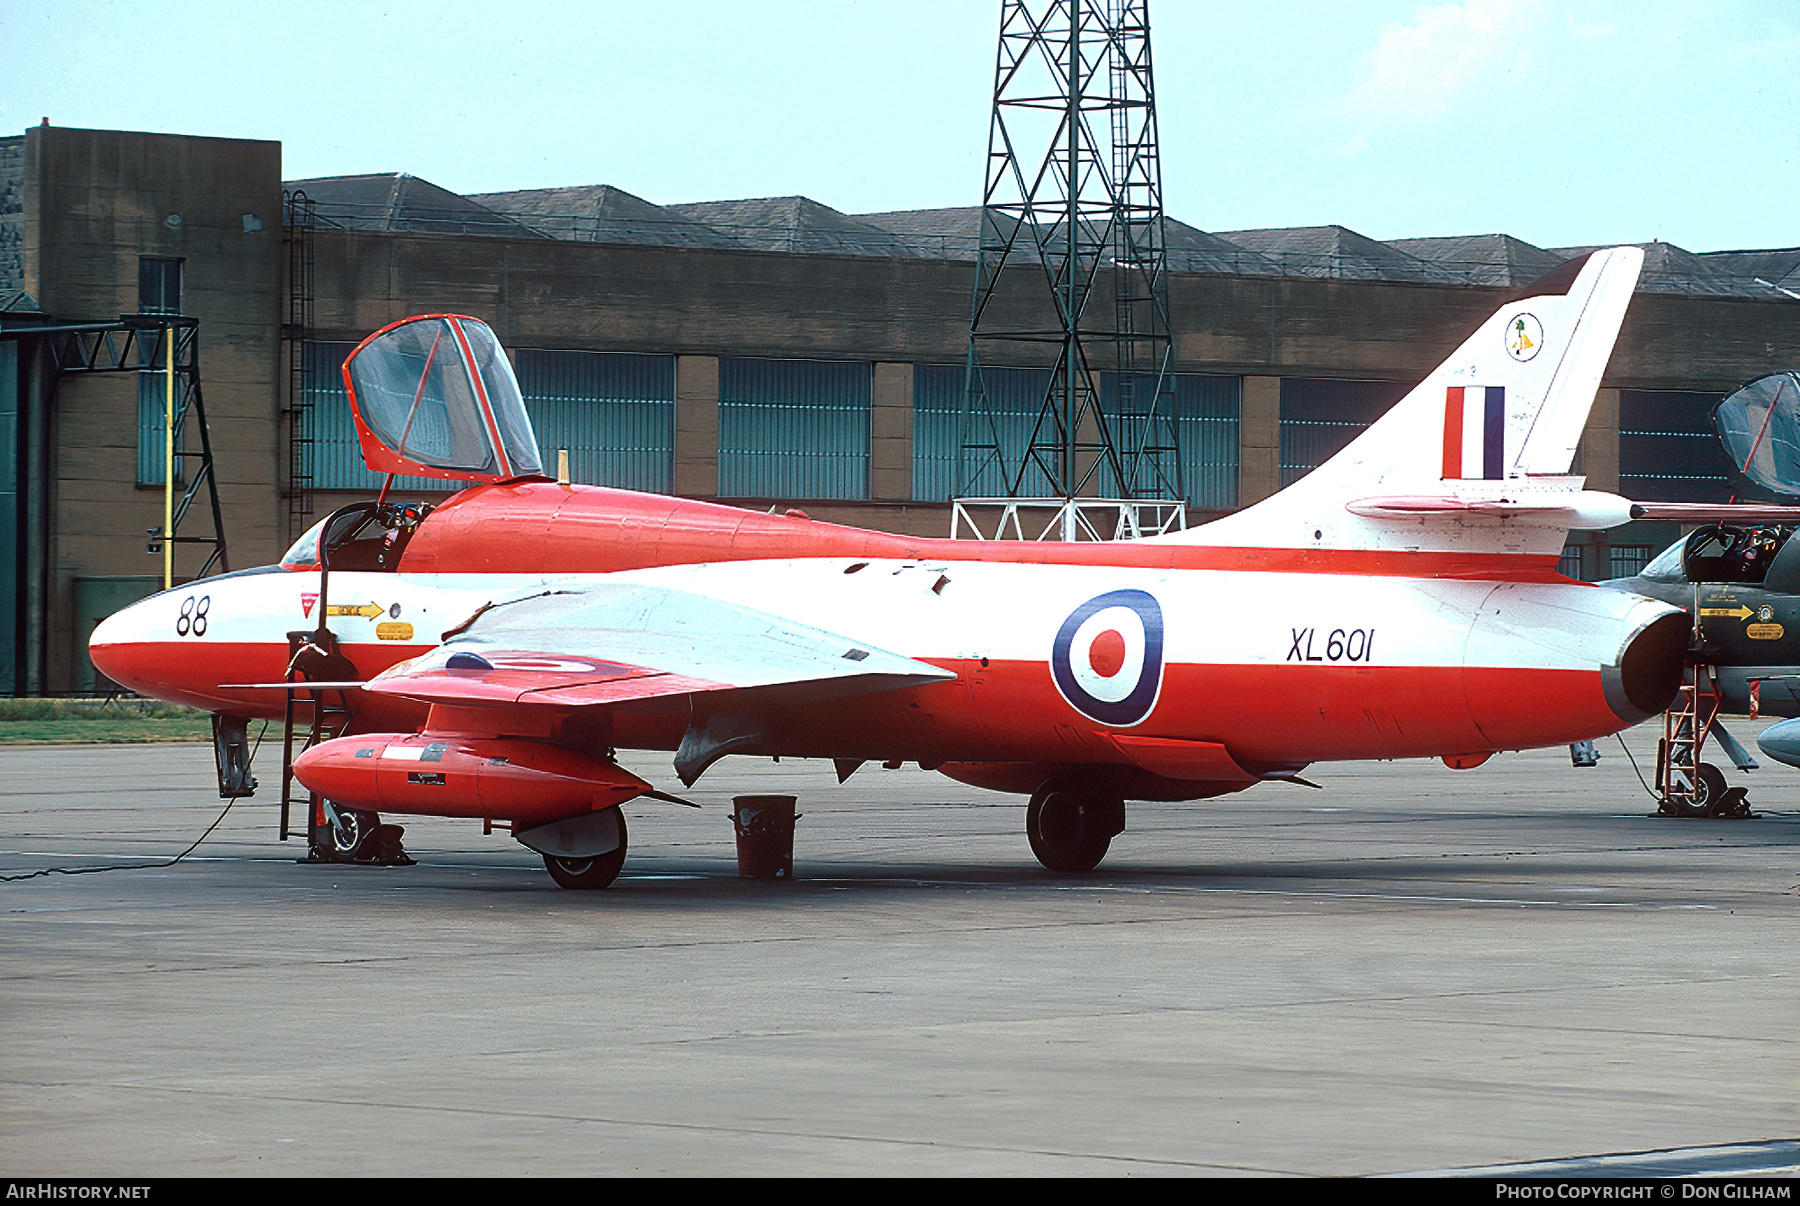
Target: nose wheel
point(1687, 786)
point(342, 834)
point(345, 829)
point(1071, 822)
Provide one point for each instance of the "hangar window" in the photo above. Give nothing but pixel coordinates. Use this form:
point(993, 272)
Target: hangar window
point(794, 429)
point(1627, 560)
point(1668, 451)
point(1013, 399)
point(159, 292)
point(153, 416)
point(1206, 427)
point(159, 285)
point(1319, 417)
point(332, 455)
point(1206, 418)
point(613, 411)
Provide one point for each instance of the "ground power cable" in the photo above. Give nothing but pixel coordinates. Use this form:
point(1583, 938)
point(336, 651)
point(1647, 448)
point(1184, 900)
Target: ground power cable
point(1634, 767)
point(148, 866)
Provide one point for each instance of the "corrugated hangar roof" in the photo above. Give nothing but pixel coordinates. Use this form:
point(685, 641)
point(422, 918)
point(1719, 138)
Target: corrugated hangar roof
point(795, 224)
point(1193, 250)
point(602, 213)
point(951, 234)
point(956, 234)
point(1672, 269)
point(1490, 259)
point(1339, 252)
point(1779, 267)
point(395, 201)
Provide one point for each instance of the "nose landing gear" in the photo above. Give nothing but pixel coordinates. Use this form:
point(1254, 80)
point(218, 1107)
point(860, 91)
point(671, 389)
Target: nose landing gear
point(1688, 787)
point(341, 834)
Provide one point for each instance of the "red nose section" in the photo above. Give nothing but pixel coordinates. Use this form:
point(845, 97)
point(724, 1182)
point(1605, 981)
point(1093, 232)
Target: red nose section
point(507, 778)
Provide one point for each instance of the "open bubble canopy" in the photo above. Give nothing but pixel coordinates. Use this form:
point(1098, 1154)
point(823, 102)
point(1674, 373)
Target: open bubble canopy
point(1759, 426)
point(434, 396)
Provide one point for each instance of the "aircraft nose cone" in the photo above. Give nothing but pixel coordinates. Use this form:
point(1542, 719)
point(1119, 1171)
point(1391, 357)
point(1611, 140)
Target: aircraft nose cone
point(103, 645)
point(118, 645)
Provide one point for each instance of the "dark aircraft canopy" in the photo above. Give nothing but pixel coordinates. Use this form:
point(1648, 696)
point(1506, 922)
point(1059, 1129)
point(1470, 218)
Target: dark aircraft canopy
point(434, 396)
point(1759, 426)
point(1755, 555)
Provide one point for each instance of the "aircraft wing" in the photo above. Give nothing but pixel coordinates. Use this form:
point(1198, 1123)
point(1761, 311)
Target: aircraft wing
point(614, 643)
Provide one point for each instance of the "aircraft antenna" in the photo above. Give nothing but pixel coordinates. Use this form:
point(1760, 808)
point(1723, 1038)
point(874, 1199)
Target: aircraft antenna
point(1072, 275)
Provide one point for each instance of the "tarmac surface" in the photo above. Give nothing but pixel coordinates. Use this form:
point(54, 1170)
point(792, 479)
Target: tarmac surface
point(1511, 969)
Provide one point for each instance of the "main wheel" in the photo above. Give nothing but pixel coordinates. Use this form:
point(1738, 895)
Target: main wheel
point(1070, 824)
point(1709, 794)
point(588, 873)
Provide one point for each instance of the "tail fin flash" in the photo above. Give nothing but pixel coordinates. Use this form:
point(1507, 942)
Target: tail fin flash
point(1592, 311)
point(1476, 456)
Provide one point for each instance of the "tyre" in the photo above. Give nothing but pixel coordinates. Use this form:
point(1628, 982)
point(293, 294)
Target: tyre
point(588, 873)
point(345, 837)
point(1709, 790)
point(1070, 824)
point(1709, 794)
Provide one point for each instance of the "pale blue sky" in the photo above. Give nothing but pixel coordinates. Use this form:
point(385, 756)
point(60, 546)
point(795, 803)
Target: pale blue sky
point(1582, 122)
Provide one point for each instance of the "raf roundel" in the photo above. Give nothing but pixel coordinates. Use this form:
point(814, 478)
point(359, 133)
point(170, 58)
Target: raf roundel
point(1107, 659)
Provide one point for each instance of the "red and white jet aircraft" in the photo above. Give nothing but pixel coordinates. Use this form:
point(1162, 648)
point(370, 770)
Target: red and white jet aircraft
point(1400, 601)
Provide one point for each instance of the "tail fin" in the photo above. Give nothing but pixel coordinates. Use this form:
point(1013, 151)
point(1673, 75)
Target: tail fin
point(1474, 458)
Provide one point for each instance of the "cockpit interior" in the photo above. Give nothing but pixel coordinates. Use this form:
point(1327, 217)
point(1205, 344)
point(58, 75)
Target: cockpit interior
point(1724, 553)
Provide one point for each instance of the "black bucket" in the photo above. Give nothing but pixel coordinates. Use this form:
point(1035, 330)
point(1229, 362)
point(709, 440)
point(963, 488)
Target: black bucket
point(765, 836)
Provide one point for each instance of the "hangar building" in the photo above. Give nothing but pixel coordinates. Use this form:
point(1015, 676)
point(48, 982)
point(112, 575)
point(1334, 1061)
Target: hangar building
point(759, 352)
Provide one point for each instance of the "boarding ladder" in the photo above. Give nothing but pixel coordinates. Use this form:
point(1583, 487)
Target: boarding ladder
point(322, 713)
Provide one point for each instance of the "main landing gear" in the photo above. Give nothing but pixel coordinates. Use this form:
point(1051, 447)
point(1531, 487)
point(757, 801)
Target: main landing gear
point(586, 873)
point(1072, 820)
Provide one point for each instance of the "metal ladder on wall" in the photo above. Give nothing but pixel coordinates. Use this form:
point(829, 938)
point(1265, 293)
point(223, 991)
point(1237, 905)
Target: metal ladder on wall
point(299, 220)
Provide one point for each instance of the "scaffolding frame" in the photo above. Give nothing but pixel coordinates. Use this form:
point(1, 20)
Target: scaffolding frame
point(138, 343)
point(1068, 518)
point(1073, 259)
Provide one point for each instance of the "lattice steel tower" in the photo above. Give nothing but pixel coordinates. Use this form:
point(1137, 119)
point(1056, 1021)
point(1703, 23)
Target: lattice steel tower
point(1072, 276)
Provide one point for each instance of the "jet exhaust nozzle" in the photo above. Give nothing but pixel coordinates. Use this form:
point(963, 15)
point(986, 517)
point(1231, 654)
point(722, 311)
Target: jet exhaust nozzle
point(1649, 672)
